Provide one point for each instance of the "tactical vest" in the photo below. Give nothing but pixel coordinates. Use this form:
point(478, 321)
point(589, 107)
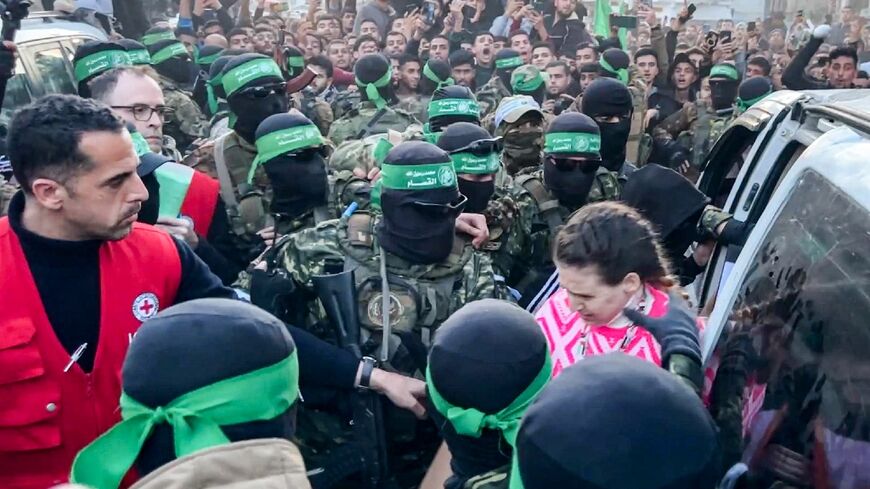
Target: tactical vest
point(421, 297)
point(551, 213)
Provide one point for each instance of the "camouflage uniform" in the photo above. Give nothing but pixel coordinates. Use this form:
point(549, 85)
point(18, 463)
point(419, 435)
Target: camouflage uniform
point(416, 105)
point(249, 214)
point(7, 190)
point(696, 127)
point(344, 102)
point(187, 123)
point(314, 108)
point(359, 118)
point(489, 95)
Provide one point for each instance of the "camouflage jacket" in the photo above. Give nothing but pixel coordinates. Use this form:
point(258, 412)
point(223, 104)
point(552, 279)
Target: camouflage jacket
point(343, 102)
point(359, 118)
point(696, 127)
point(314, 108)
point(187, 122)
point(500, 213)
point(416, 105)
point(360, 153)
point(489, 95)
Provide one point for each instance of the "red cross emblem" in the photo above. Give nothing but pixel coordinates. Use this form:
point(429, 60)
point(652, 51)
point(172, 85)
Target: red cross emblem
point(145, 306)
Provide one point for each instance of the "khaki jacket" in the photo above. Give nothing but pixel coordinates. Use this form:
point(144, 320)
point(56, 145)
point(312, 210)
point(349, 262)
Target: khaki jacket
point(256, 464)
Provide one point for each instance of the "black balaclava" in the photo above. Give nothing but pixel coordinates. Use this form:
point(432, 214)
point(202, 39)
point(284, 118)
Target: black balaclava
point(618, 422)
point(410, 229)
point(609, 97)
point(206, 56)
point(196, 344)
point(752, 91)
point(670, 202)
point(215, 95)
point(436, 74)
point(438, 123)
point(294, 62)
point(614, 63)
point(458, 136)
point(171, 59)
point(500, 350)
point(506, 61)
point(249, 110)
point(372, 77)
point(724, 80)
point(94, 58)
point(571, 134)
point(290, 149)
point(136, 50)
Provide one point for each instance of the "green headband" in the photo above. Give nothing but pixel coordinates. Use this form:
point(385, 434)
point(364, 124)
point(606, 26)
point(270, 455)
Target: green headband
point(140, 144)
point(295, 61)
point(207, 60)
point(744, 105)
point(430, 136)
point(101, 62)
point(725, 71)
point(428, 73)
point(529, 85)
point(155, 37)
point(372, 92)
point(502, 64)
point(239, 76)
point(171, 51)
point(139, 56)
point(196, 419)
point(475, 165)
point(418, 177)
point(621, 74)
point(454, 106)
point(572, 142)
point(284, 141)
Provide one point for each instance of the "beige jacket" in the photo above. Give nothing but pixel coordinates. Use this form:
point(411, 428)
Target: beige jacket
point(261, 464)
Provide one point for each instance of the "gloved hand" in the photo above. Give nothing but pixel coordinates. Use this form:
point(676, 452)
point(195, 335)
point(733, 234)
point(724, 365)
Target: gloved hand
point(7, 59)
point(822, 31)
point(676, 331)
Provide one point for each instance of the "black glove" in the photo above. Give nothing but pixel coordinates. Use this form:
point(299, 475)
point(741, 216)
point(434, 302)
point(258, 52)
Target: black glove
point(7, 62)
point(676, 331)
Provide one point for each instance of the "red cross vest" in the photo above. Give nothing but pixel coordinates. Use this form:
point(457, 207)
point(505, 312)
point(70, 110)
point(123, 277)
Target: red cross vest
point(200, 202)
point(47, 414)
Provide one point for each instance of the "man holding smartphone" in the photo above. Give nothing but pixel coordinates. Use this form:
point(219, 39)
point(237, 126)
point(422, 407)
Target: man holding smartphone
point(565, 28)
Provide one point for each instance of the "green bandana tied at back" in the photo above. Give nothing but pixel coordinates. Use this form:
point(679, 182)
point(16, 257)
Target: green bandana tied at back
point(372, 92)
point(140, 144)
point(725, 71)
point(295, 62)
point(744, 105)
point(530, 85)
point(621, 74)
point(572, 142)
point(503, 64)
point(101, 62)
point(139, 56)
point(471, 422)
point(428, 73)
point(418, 177)
point(454, 106)
point(284, 141)
point(154, 38)
point(195, 418)
point(238, 77)
point(475, 165)
point(171, 51)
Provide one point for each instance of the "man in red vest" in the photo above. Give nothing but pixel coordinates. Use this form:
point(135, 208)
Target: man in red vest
point(134, 95)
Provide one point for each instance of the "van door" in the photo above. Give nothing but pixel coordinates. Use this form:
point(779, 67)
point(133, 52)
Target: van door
point(18, 93)
point(50, 67)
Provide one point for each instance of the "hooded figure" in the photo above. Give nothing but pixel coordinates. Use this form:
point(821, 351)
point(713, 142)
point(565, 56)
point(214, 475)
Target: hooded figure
point(94, 58)
point(137, 51)
point(373, 75)
point(724, 80)
point(420, 201)
point(178, 401)
point(171, 59)
point(449, 105)
point(436, 74)
point(571, 158)
point(609, 102)
point(290, 148)
point(614, 63)
point(475, 158)
point(506, 61)
point(255, 89)
point(617, 422)
point(752, 91)
point(674, 206)
point(529, 80)
point(520, 123)
point(505, 364)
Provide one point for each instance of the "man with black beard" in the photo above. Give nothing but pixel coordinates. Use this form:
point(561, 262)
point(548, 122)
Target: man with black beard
point(573, 174)
point(609, 103)
point(177, 74)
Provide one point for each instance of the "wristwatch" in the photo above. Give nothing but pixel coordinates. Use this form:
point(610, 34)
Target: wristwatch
point(365, 378)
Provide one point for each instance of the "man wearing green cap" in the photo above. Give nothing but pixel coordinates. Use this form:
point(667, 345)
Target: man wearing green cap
point(375, 114)
point(499, 86)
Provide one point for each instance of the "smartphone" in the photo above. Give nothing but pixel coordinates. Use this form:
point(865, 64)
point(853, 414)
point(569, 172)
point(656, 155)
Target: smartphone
point(539, 6)
point(691, 10)
point(725, 36)
point(750, 27)
point(429, 13)
point(280, 7)
point(711, 39)
point(624, 21)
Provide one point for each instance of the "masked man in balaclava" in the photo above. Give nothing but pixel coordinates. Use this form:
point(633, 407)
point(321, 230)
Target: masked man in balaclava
point(449, 105)
point(519, 121)
point(505, 364)
point(573, 175)
point(609, 103)
point(204, 59)
point(615, 63)
point(499, 86)
point(752, 91)
point(692, 127)
point(374, 114)
point(177, 74)
point(94, 58)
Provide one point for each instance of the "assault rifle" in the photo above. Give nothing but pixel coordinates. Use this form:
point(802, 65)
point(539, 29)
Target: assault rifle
point(337, 293)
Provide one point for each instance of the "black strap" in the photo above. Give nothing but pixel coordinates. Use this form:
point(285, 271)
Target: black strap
point(367, 129)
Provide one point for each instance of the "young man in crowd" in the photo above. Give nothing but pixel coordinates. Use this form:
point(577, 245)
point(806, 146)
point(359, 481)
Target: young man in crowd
point(395, 44)
point(484, 52)
point(409, 73)
point(463, 68)
point(339, 54)
point(520, 42)
point(542, 54)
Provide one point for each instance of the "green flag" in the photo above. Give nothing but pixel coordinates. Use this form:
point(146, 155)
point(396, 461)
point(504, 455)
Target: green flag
point(623, 33)
point(602, 18)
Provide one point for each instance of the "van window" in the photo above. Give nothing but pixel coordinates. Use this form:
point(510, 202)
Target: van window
point(18, 93)
point(53, 68)
point(797, 344)
point(726, 159)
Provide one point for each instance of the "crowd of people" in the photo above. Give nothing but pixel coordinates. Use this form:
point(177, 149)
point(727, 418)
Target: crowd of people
point(369, 246)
